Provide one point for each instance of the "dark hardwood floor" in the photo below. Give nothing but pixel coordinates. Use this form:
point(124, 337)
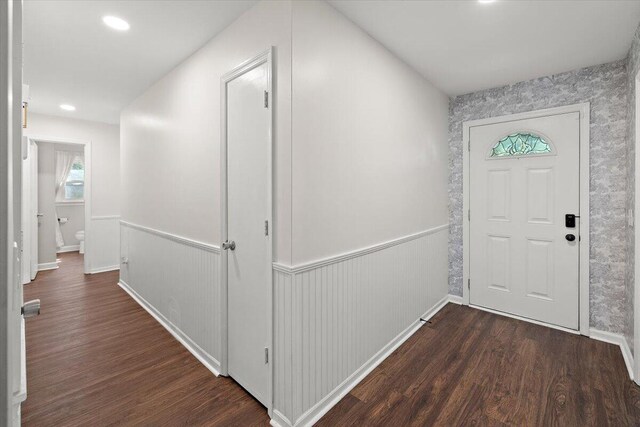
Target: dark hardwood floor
point(469, 367)
point(94, 357)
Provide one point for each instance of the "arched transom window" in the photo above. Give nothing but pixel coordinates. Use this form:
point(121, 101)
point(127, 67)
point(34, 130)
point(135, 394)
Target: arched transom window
point(520, 144)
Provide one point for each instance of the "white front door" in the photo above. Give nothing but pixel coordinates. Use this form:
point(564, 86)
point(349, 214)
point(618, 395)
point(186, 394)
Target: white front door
point(248, 205)
point(524, 254)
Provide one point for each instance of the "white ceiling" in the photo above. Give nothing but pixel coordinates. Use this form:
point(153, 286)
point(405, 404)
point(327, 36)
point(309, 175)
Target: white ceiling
point(460, 46)
point(465, 46)
point(71, 57)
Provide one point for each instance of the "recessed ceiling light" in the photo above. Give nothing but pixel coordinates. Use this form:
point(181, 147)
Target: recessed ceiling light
point(67, 107)
point(116, 23)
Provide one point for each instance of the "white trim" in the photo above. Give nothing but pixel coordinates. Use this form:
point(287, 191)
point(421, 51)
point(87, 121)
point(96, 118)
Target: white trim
point(47, 266)
point(205, 358)
point(455, 299)
point(88, 172)
point(316, 412)
point(21, 395)
point(179, 239)
point(105, 269)
point(619, 340)
point(265, 57)
point(355, 254)
point(68, 248)
point(636, 231)
point(583, 109)
point(104, 217)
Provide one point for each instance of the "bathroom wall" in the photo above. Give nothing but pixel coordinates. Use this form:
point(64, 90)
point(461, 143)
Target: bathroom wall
point(75, 222)
point(605, 87)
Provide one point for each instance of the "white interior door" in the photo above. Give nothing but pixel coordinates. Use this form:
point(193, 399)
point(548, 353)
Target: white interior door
point(248, 207)
point(33, 208)
point(523, 260)
point(29, 213)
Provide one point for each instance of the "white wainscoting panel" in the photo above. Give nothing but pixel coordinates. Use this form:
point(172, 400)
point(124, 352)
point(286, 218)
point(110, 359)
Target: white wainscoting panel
point(178, 279)
point(336, 319)
point(104, 243)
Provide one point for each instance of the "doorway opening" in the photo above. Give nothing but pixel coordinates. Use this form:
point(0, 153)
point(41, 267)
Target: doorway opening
point(56, 199)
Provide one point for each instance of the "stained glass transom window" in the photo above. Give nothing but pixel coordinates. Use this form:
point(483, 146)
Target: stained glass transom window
point(520, 144)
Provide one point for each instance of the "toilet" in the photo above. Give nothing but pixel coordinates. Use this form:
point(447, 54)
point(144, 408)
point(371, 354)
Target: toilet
point(80, 237)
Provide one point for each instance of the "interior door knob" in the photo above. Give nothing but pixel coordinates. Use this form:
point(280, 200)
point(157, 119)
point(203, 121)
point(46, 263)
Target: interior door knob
point(570, 237)
point(229, 244)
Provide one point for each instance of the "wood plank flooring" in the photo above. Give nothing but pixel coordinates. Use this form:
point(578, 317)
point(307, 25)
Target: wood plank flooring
point(469, 367)
point(94, 357)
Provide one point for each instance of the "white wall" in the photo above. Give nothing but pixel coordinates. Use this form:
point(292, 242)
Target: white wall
point(370, 156)
point(105, 176)
point(171, 176)
point(361, 159)
point(370, 212)
point(171, 134)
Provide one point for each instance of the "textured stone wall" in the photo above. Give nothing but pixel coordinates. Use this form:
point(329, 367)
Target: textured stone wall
point(633, 66)
point(605, 87)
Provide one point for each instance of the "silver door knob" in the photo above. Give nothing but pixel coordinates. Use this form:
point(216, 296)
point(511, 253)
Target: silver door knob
point(31, 308)
point(229, 244)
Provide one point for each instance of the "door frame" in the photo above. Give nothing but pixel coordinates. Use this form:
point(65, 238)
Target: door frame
point(88, 169)
point(265, 57)
point(583, 229)
point(636, 231)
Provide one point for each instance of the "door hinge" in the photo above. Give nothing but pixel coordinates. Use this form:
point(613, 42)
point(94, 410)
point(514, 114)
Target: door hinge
point(266, 99)
point(469, 145)
point(469, 214)
point(266, 355)
point(469, 284)
point(266, 227)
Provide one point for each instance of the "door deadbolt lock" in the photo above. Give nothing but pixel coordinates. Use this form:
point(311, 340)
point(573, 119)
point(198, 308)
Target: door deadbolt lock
point(570, 237)
point(229, 244)
point(31, 308)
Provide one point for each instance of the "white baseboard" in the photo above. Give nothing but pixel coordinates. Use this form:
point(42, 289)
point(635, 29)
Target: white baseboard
point(321, 408)
point(48, 266)
point(619, 340)
point(70, 248)
point(104, 269)
point(205, 358)
point(455, 299)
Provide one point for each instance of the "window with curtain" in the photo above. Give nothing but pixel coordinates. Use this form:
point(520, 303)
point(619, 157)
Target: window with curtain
point(73, 190)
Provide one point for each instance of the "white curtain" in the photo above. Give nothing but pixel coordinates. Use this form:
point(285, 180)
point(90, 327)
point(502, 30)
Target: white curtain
point(64, 161)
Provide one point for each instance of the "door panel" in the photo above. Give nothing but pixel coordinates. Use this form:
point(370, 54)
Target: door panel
point(520, 261)
point(249, 264)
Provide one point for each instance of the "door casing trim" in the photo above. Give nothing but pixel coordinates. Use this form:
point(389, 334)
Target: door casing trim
point(583, 276)
point(262, 58)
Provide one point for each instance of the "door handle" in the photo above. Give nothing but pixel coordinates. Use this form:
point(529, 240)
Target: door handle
point(31, 308)
point(229, 245)
point(40, 215)
point(570, 237)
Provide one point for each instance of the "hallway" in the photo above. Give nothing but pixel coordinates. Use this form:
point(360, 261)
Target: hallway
point(95, 357)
